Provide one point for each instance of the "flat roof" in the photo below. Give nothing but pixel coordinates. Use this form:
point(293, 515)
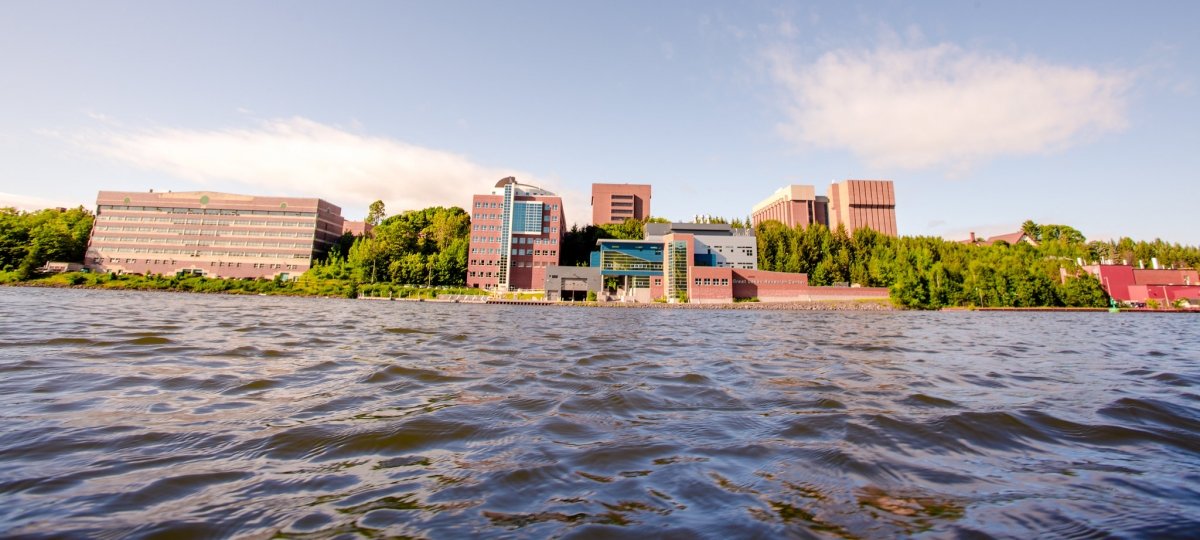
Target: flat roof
point(603, 240)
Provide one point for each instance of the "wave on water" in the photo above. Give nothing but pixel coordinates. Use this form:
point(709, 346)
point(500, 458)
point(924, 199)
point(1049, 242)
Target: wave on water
point(211, 416)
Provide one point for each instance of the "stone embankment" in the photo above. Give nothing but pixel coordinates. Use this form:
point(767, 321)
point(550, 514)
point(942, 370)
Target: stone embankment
point(840, 305)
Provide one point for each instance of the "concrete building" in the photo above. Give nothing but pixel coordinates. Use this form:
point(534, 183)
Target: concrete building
point(516, 233)
point(1130, 285)
point(210, 234)
point(855, 204)
point(717, 244)
point(572, 283)
point(794, 205)
point(615, 203)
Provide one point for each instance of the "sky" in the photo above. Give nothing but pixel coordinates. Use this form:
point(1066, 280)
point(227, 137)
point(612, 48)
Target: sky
point(984, 114)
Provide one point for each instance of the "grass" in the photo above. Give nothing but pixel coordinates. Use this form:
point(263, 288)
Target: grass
point(302, 286)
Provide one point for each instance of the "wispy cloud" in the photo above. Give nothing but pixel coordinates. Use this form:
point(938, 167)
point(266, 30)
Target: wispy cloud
point(942, 106)
point(301, 156)
point(29, 203)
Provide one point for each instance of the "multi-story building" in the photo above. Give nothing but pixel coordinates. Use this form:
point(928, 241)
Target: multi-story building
point(615, 203)
point(855, 204)
point(793, 205)
point(516, 232)
point(210, 234)
point(716, 244)
point(678, 261)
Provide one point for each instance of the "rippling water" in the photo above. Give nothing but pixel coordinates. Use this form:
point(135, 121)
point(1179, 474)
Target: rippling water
point(143, 414)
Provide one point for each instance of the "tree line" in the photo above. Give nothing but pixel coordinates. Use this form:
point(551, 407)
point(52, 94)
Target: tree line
point(931, 272)
point(28, 240)
point(416, 247)
point(430, 247)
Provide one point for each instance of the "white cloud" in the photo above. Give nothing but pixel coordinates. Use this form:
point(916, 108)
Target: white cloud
point(30, 203)
point(302, 157)
point(942, 106)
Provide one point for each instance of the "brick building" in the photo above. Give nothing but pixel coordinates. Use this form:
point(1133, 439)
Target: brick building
point(794, 205)
point(516, 232)
point(853, 204)
point(614, 203)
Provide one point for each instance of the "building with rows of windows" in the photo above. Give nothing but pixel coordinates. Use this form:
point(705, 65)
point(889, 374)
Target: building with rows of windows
point(615, 203)
point(852, 204)
point(210, 234)
point(516, 233)
point(697, 263)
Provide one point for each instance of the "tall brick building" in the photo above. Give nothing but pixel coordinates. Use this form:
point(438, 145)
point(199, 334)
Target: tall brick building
point(853, 204)
point(516, 232)
point(792, 205)
point(615, 203)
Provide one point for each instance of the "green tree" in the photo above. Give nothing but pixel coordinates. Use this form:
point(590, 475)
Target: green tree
point(1032, 230)
point(630, 229)
point(375, 214)
point(30, 239)
point(1084, 291)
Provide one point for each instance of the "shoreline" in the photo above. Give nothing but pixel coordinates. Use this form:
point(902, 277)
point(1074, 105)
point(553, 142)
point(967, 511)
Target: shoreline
point(817, 305)
point(813, 305)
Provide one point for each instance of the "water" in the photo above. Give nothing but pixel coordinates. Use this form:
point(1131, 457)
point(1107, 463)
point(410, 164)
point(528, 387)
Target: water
point(153, 414)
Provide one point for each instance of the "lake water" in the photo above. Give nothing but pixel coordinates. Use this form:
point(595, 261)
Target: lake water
point(132, 414)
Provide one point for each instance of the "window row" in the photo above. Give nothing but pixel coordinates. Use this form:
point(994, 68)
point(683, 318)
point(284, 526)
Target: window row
point(218, 264)
point(205, 211)
point(207, 253)
point(537, 252)
point(497, 228)
point(201, 232)
point(493, 204)
point(516, 252)
point(175, 241)
point(712, 281)
point(770, 282)
point(488, 274)
point(208, 222)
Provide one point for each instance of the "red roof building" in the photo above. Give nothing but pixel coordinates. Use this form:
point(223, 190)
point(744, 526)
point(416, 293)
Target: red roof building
point(1138, 285)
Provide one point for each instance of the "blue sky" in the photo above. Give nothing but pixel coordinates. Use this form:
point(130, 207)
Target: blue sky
point(984, 114)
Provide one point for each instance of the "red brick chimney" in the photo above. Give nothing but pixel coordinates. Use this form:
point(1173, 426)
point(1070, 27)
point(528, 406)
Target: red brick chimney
point(972, 237)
